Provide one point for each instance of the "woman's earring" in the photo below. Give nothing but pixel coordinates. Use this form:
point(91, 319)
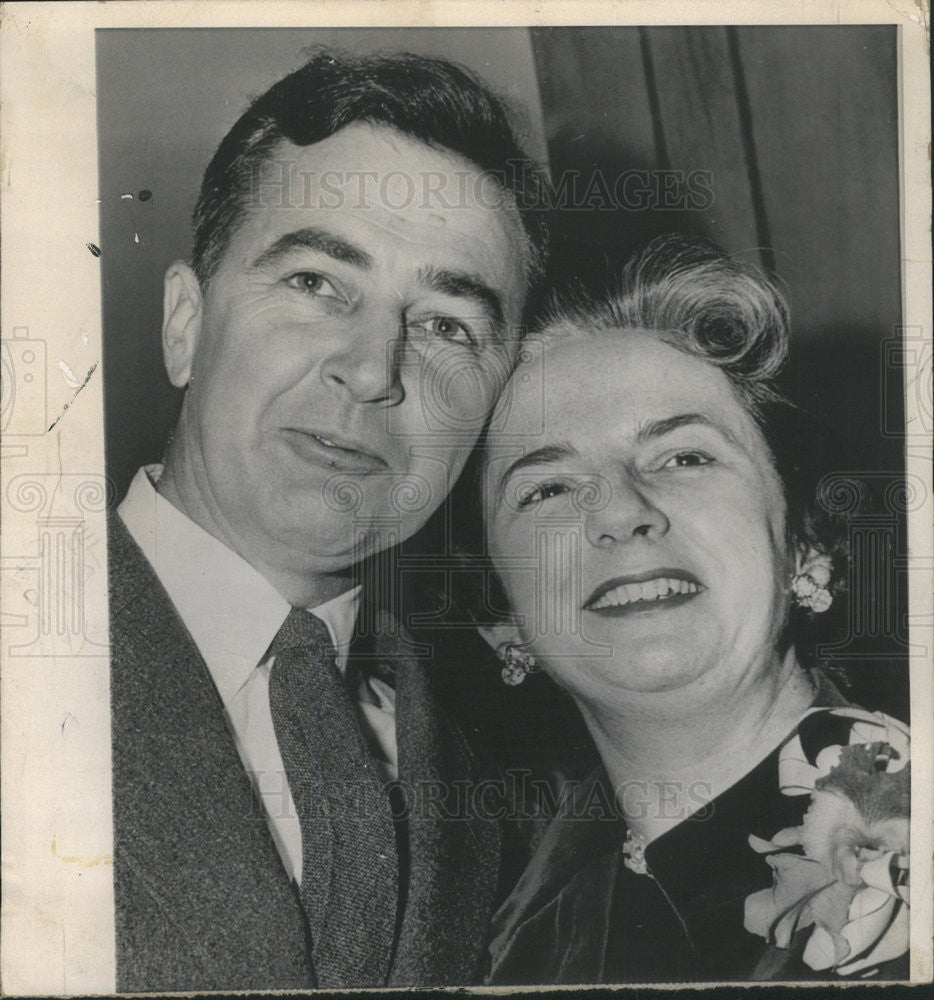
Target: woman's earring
point(518, 663)
point(811, 588)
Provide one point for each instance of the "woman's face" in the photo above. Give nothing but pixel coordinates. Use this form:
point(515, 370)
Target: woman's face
point(636, 520)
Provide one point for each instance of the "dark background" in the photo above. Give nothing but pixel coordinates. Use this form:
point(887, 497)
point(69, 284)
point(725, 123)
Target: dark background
point(796, 129)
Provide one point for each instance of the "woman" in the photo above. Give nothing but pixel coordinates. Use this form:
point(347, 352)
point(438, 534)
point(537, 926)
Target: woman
point(646, 530)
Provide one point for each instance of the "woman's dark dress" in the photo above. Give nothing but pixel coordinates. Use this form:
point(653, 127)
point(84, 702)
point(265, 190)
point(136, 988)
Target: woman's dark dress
point(579, 915)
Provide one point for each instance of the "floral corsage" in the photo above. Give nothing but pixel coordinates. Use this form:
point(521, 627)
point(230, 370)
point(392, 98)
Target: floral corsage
point(841, 893)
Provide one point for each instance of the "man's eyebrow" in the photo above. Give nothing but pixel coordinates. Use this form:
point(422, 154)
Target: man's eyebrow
point(659, 428)
point(465, 286)
point(557, 452)
point(318, 240)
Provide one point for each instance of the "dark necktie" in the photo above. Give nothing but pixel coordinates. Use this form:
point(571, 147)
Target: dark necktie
point(349, 863)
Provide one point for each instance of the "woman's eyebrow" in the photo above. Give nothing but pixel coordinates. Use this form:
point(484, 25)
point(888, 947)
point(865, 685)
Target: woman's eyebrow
point(653, 429)
point(318, 240)
point(558, 452)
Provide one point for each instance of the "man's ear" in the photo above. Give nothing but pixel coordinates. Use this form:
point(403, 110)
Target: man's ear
point(500, 633)
point(181, 321)
point(815, 564)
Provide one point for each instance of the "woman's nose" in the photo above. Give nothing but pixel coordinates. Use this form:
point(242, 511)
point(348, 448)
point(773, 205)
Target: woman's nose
point(364, 360)
point(629, 513)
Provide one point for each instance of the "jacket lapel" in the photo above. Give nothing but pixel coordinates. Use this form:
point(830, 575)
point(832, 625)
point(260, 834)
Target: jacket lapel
point(203, 901)
point(453, 853)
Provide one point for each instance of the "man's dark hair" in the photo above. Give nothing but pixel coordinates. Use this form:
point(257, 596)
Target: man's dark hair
point(436, 102)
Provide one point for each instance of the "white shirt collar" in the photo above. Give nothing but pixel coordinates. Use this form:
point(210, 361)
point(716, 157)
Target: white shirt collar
point(231, 611)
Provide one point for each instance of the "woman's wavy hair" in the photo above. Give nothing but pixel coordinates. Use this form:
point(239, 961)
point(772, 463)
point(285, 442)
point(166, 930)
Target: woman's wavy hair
point(697, 298)
point(731, 314)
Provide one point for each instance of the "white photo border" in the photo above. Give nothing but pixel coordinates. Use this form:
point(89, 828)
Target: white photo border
point(58, 926)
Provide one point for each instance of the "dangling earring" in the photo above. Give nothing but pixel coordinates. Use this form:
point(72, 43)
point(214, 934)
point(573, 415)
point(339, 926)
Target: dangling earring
point(811, 588)
point(518, 663)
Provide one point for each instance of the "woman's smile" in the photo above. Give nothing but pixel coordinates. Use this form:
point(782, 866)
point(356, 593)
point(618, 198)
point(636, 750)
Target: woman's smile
point(635, 598)
point(644, 592)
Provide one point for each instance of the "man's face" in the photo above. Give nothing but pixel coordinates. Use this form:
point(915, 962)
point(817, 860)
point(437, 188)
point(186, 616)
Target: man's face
point(347, 351)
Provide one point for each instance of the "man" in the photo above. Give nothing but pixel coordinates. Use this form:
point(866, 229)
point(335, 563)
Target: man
point(363, 247)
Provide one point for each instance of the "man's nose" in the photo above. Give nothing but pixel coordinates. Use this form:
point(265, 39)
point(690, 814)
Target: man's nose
point(629, 513)
point(364, 360)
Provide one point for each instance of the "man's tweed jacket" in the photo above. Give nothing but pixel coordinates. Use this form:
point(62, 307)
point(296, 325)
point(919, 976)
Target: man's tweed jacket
point(203, 901)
